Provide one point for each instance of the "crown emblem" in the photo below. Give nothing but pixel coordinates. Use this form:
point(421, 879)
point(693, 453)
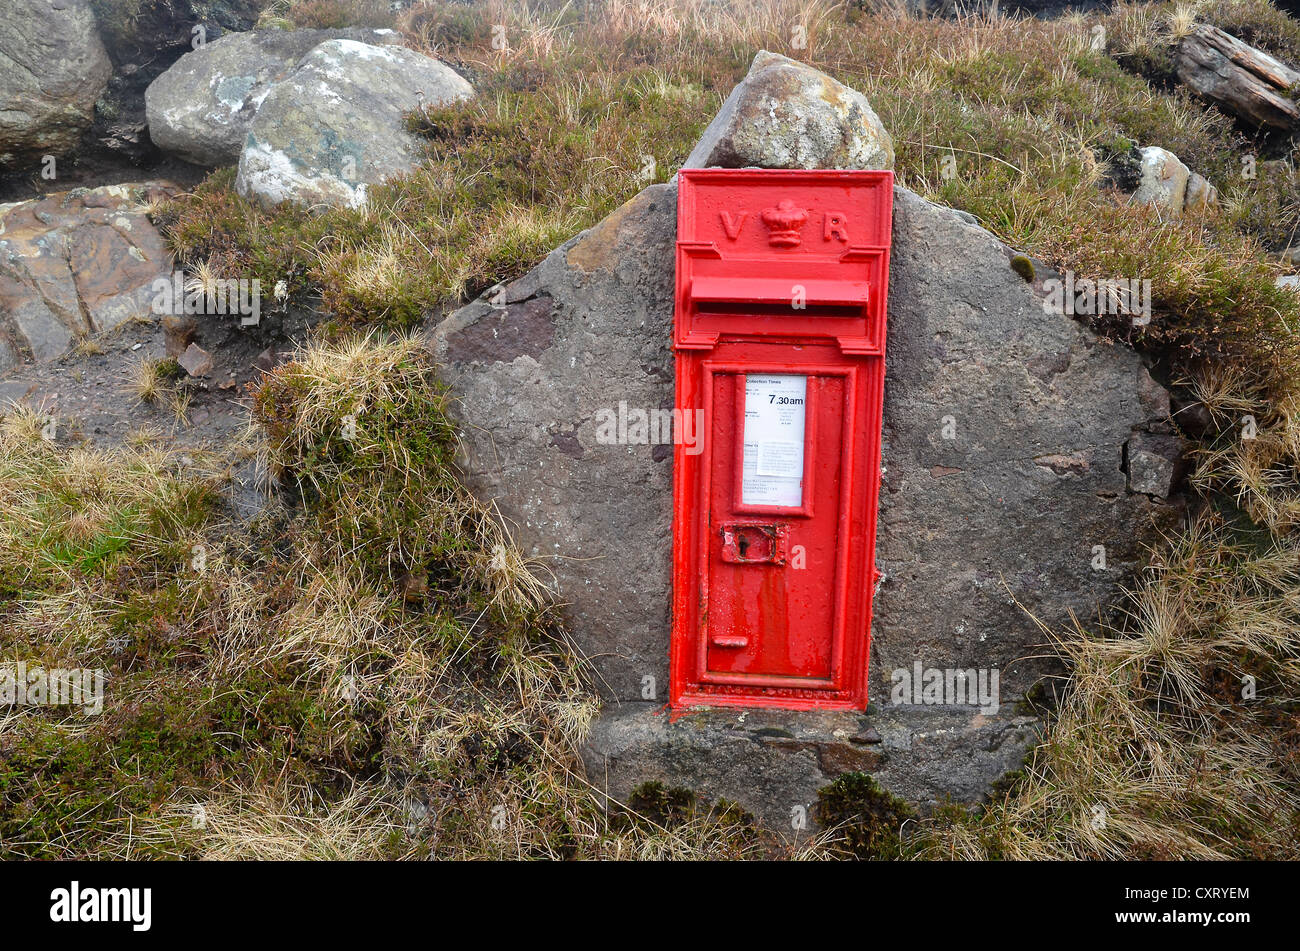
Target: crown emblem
point(784, 220)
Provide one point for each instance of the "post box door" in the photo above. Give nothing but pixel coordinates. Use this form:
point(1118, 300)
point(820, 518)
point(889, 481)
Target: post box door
point(776, 505)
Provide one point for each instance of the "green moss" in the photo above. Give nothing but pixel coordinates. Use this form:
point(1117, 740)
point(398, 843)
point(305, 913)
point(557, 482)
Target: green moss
point(982, 826)
point(1038, 699)
point(866, 819)
point(654, 806)
point(169, 369)
point(1007, 784)
point(1023, 266)
point(665, 806)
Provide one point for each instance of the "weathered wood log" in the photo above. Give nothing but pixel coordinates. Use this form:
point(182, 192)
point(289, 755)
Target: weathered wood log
point(1238, 78)
point(1272, 71)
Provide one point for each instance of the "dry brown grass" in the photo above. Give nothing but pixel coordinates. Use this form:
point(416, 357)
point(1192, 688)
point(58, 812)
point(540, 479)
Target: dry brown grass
point(271, 823)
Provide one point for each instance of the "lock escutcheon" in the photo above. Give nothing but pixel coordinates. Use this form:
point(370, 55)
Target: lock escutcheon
point(754, 542)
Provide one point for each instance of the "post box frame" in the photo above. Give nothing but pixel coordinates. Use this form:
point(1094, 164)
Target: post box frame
point(731, 320)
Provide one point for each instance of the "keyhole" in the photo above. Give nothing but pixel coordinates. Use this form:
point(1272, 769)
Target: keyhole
point(743, 544)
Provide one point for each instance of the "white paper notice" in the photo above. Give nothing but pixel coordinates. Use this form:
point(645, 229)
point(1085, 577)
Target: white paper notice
point(774, 419)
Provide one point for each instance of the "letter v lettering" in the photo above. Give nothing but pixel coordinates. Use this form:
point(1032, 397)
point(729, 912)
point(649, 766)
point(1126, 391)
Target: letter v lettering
point(733, 227)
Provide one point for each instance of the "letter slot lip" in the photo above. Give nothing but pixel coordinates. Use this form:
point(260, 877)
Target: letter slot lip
point(754, 542)
point(729, 640)
point(836, 296)
point(781, 291)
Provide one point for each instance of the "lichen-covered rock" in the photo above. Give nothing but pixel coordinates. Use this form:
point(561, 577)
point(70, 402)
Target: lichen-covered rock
point(74, 263)
point(334, 125)
point(1159, 178)
point(786, 114)
point(144, 39)
point(52, 69)
point(202, 107)
point(1163, 181)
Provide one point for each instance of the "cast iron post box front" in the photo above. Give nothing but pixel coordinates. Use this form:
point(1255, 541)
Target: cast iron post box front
point(779, 335)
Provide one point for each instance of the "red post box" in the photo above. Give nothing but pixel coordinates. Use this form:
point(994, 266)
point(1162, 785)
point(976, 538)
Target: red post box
point(779, 335)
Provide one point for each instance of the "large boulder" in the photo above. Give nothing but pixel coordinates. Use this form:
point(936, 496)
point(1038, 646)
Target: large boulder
point(785, 114)
point(1005, 495)
point(334, 125)
point(144, 39)
point(1005, 433)
point(202, 107)
point(75, 263)
point(1006, 502)
point(52, 69)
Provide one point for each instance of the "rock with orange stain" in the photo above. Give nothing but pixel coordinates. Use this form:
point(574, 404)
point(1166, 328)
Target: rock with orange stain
point(75, 263)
